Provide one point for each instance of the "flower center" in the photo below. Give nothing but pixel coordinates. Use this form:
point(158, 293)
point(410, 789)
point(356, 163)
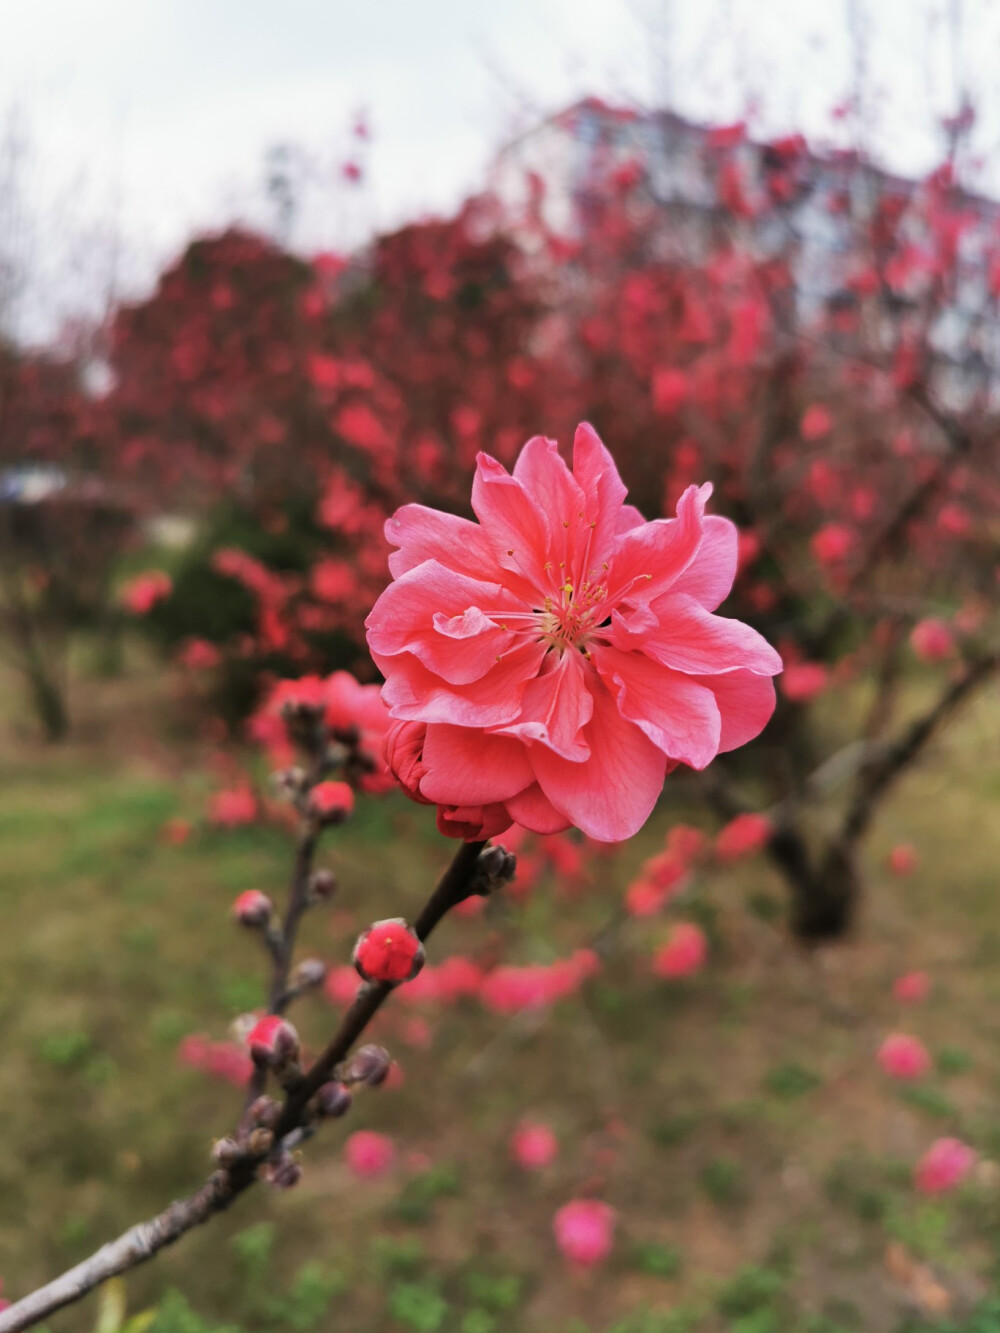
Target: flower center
point(571, 618)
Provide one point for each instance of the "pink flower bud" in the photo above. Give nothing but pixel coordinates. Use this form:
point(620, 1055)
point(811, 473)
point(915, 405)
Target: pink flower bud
point(832, 543)
point(584, 1231)
point(932, 640)
point(273, 1041)
point(368, 1154)
point(912, 988)
point(533, 1146)
point(388, 951)
point(683, 954)
point(904, 1058)
point(743, 836)
point(903, 859)
point(945, 1164)
point(253, 909)
point(331, 801)
point(803, 681)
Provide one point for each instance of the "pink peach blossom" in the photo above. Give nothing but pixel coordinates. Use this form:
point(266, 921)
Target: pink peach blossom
point(683, 954)
point(832, 544)
point(533, 1146)
point(904, 1058)
point(945, 1164)
point(199, 655)
point(233, 807)
point(584, 1231)
point(803, 681)
point(816, 422)
point(903, 859)
point(932, 640)
point(142, 593)
point(548, 665)
point(368, 1154)
point(743, 836)
point(912, 987)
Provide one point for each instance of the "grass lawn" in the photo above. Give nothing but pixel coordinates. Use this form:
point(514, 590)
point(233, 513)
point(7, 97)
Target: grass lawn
point(759, 1162)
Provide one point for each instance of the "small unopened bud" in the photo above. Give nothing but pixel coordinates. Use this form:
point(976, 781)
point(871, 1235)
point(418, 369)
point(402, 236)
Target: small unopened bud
point(273, 1041)
point(260, 1142)
point(253, 909)
point(495, 868)
point(323, 884)
point(290, 781)
point(389, 951)
point(311, 972)
point(369, 1065)
point(226, 1151)
point(283, 1173)
point(264, 1111)
point(331, 801)
point(333, 1100)
point(349, 736)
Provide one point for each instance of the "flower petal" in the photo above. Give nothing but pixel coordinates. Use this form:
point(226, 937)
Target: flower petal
point(648, 560)
point(514, 527)
point(678, 714)
point(692, 640)
point(437, 615)
point(603, 491)
point(746, 702)
point(427, 534)
point(413, 694)
point(469, 767)
point(533, 810)
point(709, 577)
point(556, 707)
point(610, 795)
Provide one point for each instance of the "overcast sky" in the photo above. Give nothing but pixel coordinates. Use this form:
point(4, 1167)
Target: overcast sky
point(145, 120)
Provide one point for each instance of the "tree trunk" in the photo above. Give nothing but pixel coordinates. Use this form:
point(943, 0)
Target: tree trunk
point(825, 894)
point(50, 706)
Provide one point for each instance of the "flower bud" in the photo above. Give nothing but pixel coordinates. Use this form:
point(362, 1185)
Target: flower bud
point(226, 1151)
point(349, 736)
point(388, 951)
point(284, 1173)
point(273, 1041)
point(253, 909)
point(333, 1100)
point(495, 868)
point(290, 782)
point(369, 1065)
point(332, 802)
point(260, 1142)
point(322, 885)
point(264, 1111)
point(308, 974)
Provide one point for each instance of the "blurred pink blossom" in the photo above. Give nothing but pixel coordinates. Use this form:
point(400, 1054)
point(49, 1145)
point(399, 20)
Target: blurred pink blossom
point(945, 1164)
point(584, 1231)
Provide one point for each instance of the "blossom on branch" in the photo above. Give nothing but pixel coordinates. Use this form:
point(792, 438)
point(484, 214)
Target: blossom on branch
point(550, 664)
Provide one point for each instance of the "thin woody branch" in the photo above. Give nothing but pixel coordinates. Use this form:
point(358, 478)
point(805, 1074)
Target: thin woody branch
point(877, 777)
point(467, 874)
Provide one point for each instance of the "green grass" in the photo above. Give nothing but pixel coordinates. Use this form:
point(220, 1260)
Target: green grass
point(758, 1160)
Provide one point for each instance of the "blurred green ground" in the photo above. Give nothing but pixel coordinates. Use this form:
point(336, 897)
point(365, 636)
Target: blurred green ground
point(759, 1161)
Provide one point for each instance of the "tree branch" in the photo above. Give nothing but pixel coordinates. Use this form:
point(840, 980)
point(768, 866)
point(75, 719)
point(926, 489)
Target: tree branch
point(145, 1240)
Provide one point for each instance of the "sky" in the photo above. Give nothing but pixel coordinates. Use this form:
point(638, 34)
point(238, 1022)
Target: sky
point(139, 122)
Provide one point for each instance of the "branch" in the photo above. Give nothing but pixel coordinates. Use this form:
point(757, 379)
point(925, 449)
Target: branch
point(463, 877)
point(876, 778)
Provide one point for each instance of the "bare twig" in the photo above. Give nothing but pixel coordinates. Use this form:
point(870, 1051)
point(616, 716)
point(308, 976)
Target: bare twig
point(145, 1240)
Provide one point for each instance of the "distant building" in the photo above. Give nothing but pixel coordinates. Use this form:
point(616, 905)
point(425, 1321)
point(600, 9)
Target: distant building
point(774, 197)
